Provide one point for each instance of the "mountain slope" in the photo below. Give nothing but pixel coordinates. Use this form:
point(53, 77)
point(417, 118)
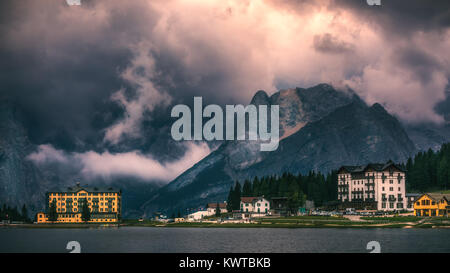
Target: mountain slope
point(24, 182)
point(20, 181)
point(351, 135)
point(321, 129)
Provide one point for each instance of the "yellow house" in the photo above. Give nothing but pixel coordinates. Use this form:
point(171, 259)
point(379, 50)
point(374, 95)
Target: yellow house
point(432, 204)
point(104, 205)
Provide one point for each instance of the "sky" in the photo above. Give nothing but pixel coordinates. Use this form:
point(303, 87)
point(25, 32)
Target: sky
point(96, 82)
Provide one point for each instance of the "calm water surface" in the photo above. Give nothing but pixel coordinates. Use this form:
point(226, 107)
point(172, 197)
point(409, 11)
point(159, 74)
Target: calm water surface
point(204, 240)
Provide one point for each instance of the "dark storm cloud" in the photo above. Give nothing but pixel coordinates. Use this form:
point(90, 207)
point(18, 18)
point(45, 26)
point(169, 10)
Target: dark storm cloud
point(326, 43)
point(63, 67)
point(401, 16)
point(103, 76)
point(422, 64)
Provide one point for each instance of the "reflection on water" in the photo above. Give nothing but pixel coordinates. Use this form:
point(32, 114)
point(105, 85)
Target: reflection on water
point(142, 239)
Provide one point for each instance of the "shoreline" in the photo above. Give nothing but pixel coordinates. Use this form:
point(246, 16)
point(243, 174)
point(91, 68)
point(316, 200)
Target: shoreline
point(355, 225)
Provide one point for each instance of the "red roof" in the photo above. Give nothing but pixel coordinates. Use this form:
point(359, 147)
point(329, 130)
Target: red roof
point(248, 199)
point(214, 205)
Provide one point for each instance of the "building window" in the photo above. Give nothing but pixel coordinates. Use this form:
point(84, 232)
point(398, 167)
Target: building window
point(383, 205)
point(391, 205)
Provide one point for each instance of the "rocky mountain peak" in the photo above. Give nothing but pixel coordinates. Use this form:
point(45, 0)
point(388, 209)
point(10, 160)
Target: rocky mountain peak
point(260, 98)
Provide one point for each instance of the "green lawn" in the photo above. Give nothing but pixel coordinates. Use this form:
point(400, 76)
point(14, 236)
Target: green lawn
point(308, 217)
point(392, 219)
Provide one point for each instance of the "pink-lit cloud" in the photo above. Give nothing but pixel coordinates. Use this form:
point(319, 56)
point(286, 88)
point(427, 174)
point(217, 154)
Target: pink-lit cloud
point(130, 164)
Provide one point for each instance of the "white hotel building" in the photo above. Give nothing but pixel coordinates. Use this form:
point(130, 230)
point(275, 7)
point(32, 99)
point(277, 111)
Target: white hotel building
point(254, 207)
point(372, 187)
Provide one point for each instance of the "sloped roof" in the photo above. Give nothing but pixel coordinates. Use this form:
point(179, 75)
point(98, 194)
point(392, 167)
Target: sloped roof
point(248, 199)
point(214, 205)
point(438, 196)
point(413, 194)
point(78, 188)
point(376, 166)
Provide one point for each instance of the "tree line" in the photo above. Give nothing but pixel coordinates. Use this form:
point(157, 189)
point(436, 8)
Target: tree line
point(429, 171)
point(13, 213)
point(426, 172)
point(298, 188)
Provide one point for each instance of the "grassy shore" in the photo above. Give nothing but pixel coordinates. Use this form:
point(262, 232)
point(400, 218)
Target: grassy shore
point(282, 222)
point(312, 222)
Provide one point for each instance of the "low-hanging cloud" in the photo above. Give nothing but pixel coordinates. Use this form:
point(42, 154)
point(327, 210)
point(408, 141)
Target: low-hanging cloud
point(130, 164)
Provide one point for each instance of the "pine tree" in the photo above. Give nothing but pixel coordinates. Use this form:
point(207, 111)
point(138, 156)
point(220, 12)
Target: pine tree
point(443, 173)
point(85, 213)
point(217, 210)
point(25, 213)
point(237, 197)
point(247, 189)
point(52, 214)
point(408, 180)
point(230, 200)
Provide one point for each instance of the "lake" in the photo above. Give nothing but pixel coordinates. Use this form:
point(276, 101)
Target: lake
point(223, 240)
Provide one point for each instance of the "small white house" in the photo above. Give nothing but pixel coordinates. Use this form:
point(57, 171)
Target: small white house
point(211, 208)
point(198, 215)
point(254, 207)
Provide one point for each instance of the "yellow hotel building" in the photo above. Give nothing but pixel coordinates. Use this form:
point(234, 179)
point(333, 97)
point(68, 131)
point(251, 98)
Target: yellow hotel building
point(432, 204)
point(104, 205)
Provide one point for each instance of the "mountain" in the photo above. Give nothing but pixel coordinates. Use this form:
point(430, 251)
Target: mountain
point(20, 181)
point(351, 135)
point(24, 182)
point(321, 128)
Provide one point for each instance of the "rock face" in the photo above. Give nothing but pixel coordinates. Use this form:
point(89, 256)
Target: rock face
point(321, 129)
point(351, 135)
point(23, 182)
point(20, 181)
